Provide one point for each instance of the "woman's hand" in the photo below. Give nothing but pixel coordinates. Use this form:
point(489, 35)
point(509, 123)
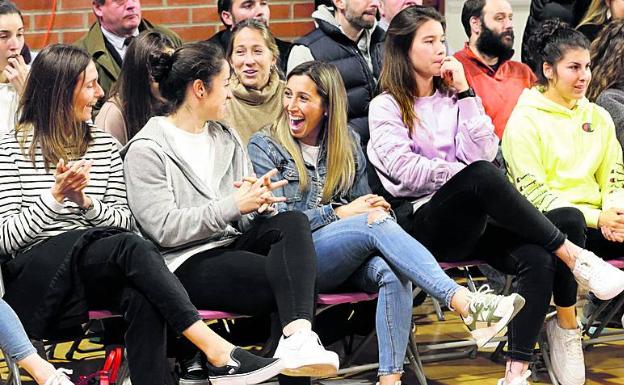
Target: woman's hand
point(70, 181)
point(452, 72)
point(361, 205)
point(255, 194)
point(611, 224)
point(16, 72)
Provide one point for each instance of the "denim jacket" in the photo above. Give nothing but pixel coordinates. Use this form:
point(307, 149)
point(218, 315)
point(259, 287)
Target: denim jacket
point(265, 154)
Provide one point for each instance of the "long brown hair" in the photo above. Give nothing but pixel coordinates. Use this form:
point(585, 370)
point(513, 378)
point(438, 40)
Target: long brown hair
point(335, 133)
point(607, 57)
point(47, 105)
point(397, 74)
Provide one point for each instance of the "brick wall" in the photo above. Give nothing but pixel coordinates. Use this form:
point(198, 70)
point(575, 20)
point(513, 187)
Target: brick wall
point(191, 19)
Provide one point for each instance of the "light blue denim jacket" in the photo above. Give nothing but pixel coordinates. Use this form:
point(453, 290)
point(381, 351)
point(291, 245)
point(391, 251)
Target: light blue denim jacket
point(265, 154)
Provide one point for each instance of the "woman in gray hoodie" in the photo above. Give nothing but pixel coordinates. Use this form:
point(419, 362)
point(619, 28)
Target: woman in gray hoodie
point(192, 190)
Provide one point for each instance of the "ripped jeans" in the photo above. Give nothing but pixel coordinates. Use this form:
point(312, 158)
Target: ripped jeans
point(345, 247)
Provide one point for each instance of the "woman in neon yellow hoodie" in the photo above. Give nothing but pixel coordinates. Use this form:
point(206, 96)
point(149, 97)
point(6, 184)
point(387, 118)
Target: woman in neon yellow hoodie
point(561, 151)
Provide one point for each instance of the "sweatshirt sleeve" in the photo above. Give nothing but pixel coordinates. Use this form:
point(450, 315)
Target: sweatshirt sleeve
point(153, 203)
point(110, 119)
point(475, 138)
point(260, 154)
point(610, 173)
point(613, 101)
point(20, 223)
point(521, 150)
point(414, 174)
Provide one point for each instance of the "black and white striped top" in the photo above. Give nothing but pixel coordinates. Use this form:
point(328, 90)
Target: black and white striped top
point(29, 213)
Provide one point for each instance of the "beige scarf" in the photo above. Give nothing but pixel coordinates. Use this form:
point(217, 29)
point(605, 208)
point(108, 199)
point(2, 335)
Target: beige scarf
point(251, 110)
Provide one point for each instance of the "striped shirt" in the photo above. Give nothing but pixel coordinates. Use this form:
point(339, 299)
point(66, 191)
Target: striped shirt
point(29, 213)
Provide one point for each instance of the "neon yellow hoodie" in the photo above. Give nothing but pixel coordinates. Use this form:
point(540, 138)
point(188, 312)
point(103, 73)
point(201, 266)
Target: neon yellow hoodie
point(561, 157)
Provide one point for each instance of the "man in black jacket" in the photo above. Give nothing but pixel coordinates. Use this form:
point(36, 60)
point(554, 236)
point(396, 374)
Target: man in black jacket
point(234, 11)
point(348, 37)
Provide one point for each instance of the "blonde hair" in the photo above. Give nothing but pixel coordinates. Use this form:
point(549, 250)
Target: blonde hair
point(335, 133)
point(597, 13)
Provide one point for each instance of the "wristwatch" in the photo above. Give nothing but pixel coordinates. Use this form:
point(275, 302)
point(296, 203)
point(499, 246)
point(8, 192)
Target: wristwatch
point(469, 93)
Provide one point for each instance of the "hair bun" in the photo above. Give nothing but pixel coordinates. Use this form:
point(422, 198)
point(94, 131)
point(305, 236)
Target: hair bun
point(160, 65)
point(544, 34)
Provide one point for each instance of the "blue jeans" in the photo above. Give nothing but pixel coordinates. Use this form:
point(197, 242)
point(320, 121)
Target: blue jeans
point(345, 247)
point(13, 339)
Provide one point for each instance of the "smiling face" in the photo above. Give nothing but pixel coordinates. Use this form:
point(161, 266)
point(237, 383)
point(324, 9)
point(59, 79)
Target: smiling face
point(214, 103)
point(569, 77)
point(251, 58)
point(11, 37)
point(247, 9)
point(121, 17)
point(428, 50)
point(305, 109)
point(86, 93)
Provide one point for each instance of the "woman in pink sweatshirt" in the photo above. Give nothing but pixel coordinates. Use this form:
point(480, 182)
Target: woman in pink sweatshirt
point(432, 143)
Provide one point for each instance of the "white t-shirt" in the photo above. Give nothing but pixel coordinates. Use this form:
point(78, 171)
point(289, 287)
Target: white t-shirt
point(8, 107)
point(310, 153)
point(197, 150)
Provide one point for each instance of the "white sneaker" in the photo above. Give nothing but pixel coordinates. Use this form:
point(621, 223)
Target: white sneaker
point(566, 353)
point(59, 378)
point(495, 310)
point(523, 380)
point(599, 277)
point(303, 355)
point(395, 383)
point(622, 320)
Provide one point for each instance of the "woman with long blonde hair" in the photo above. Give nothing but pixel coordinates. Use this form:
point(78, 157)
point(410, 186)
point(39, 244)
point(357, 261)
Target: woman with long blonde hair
point(599, 13)
point(312, 147)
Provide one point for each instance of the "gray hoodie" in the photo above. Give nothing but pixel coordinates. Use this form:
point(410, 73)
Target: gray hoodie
point(172, 205)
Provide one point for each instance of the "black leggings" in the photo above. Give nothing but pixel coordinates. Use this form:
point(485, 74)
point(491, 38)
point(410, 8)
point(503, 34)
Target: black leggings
point(478, 214)
point(272, 265)
point(127, 274)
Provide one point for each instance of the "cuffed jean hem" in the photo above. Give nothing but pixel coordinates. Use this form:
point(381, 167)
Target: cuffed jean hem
point(449, 296)
point(390, 371)
point(23, 354)
point(519, 356)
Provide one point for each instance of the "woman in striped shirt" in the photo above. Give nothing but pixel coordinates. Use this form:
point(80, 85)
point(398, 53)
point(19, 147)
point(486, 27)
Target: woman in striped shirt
point(65, 231)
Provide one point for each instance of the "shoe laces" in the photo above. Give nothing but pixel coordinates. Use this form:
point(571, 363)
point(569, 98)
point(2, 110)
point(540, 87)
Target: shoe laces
point(585, 265)
point(60, 377)
point(482, 300)
point(573, 345)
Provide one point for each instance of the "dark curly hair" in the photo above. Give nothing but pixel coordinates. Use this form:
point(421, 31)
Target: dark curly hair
point(607, 57)
point(550, 42)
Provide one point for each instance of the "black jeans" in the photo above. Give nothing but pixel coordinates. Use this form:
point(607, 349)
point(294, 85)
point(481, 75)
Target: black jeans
point(478, 214)
point(272, 265)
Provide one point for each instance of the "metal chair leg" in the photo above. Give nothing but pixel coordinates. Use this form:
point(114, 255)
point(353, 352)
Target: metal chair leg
point(543, 344)
point(14, 374)
point(414, 359)
point(438, 309)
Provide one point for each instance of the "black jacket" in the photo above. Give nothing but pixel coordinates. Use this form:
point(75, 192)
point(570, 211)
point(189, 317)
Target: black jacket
point(327, 43)
point(223, 39)
point(569, 11)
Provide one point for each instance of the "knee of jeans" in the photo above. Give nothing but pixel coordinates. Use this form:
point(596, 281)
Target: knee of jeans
point(377, 217)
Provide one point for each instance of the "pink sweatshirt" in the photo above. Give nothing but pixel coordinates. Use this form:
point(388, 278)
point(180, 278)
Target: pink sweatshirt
point(449, 135)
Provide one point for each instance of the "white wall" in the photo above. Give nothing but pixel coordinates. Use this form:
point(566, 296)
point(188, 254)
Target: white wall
point(455, 31)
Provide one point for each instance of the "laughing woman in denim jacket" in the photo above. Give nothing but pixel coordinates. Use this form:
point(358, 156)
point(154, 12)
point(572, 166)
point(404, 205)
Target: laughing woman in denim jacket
point(313, 148)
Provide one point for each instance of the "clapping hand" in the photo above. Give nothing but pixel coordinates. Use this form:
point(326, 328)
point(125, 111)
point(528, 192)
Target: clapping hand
point(255, 194)
point(70, 180)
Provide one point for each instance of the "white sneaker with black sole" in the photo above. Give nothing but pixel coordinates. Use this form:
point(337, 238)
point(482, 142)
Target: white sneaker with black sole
point(244, 368)
point(566, 353)
point(494, 310)
point(305, 356)
point(59, 378)
point(599, 277)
